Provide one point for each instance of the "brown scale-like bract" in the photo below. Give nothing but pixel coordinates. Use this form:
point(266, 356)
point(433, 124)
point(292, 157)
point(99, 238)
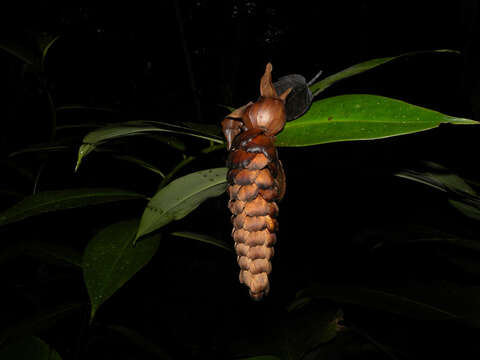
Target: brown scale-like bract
point(256, 182)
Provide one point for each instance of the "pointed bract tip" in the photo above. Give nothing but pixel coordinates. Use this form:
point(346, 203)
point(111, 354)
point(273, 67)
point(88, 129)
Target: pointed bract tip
point(266, 85)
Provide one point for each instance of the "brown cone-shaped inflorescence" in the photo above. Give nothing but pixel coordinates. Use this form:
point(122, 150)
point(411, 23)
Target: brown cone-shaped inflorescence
point(256, 183)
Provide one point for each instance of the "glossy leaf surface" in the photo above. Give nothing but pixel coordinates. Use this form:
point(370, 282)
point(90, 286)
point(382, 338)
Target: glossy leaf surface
point(180, 197)
point(360, 117)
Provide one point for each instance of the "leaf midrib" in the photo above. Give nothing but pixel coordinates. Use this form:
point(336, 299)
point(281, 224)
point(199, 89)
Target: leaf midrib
point(306, 123)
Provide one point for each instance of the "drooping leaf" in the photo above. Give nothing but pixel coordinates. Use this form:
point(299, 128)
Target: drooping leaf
point(393, 301)
point(468, 206)
point(461, 195)
point(212, 130)
point(43, 320)
point(180, 197)
point(111, 259)
point(438, 177)
point(48, 201)
point(40, 148)
point(104, 134)
point(44, 42)
point(141, 163)
point(203, 238)
point(323, 84)
point(139, 340)
point(21, 52)
point(30, 348)
point(360, 117)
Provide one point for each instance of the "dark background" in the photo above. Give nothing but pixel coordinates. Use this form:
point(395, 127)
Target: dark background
point(179, 62)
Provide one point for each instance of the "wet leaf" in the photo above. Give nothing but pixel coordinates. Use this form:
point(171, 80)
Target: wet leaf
point(111, 259)
point(180, 197)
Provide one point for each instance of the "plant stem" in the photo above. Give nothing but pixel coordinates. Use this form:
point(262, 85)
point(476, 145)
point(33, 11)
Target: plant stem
point(188, 60)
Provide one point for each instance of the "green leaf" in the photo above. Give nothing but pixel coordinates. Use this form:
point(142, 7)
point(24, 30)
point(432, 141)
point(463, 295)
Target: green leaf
point(44, 43)
point(111, 259)
point(203, 238)
point(31, 348)
point(139, 340)
point(382, 300)
point(325, 83)
point(40, 148)
point(23, 53)
point(180, 197)
point(107, 133)
point(360, 117)
point(141, 163)
point(438, 177)
point(469, 207)
point(48, 201)
point(35, 323)
point(461, 195)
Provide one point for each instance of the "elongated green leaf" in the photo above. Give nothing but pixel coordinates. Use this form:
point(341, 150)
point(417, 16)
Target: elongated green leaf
point(31, 348)
point(360, 117)
point(48, 201)
point(111, 259)
point(462, 196)
point(467, 206)
point(44, 43)
point(139, 340)
point(99, 136)
point(141, 163)
point(381, 300)
point(180, 197)
point(203, 238)
point(40, 148)
point(23, 53)
point(33, 324)
point(323, 84)
point(438, 177)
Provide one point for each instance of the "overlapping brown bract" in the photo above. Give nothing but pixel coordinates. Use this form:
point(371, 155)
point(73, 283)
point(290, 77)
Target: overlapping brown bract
point(256, 182)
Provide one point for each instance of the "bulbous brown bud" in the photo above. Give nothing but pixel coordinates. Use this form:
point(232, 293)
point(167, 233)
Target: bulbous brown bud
point(268, 114)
